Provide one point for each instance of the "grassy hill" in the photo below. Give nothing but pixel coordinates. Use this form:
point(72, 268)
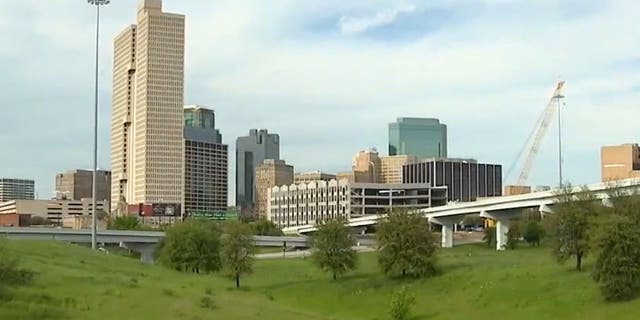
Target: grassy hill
point(73, 282)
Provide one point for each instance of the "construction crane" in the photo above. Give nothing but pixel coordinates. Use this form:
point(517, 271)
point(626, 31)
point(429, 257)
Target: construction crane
point(532, 145)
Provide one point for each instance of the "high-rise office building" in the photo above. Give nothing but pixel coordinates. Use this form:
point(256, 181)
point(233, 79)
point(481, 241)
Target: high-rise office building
point(78, 184)
point(147, 117)
point(270, 173)
point(16, 189)
point(366, 166)
point(251, 151)
point(205, 163)
point(465, 179)
point(620, 162)
point(421, 137)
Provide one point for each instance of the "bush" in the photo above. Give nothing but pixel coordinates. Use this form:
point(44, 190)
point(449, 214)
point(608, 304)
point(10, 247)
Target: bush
point(513, 235)
point(532, 233)
point(490, 237)
point(401, 302)
point(192, 246)
point(264, 227)
point(207, 302)
point(127, 222)
point(617, 268)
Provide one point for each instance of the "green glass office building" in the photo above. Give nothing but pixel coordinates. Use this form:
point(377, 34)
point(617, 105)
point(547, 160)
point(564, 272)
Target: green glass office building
point(421, 137)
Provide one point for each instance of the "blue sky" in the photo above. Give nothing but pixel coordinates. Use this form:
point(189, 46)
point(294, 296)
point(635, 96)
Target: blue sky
point(329, 75)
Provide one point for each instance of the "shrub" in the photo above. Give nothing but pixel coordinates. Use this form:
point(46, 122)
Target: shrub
point(401, 302)
point(207, 302)
point(617, 268)
point(490, 237)
point(532, 233)
point(264, 227)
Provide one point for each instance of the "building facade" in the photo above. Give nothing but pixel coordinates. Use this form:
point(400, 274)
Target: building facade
point(206, 163)
point(306, 177)
point(78, 184)
point(269, 174)
point(318, 201)
point(421, 137)
point(251, 151)
point(366, 166)
point(147, 117)
point(465, 179)
point(53, 210)
point(16, 189)
point(620, 162)
point(391, 167)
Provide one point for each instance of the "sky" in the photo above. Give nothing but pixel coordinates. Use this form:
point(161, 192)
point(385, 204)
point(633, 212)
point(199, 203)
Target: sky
point(329, 75)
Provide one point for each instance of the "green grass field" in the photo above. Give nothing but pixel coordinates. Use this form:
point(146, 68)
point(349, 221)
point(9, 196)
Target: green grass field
point(72, 282)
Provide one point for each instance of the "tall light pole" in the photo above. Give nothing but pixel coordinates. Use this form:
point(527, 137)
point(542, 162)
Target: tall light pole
point(94, 222)
point(560, 160)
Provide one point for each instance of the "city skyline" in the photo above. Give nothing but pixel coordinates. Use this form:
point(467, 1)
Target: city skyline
point(507, 92)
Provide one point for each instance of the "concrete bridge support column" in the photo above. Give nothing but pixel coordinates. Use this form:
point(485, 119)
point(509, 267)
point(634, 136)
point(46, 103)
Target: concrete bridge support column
point(503, 221)
point(544, 210)
point(145, 249)
point(447, 224)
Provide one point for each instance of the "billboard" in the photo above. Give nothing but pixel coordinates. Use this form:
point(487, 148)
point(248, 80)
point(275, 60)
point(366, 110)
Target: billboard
point(159, 209)
point(214, 215)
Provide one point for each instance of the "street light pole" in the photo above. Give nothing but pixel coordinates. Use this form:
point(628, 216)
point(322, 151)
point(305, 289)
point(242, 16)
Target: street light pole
point(94, 224)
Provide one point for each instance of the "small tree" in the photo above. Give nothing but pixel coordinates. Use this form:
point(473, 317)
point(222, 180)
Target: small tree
point(126, 222)
point(401, 302)
point(617, 268)
point(569, 225)
point(406, 245)
point(532, 232)
point(490, 237)
point(513, 235)
point(332, 247)
point(192, 246)
point(264, 227)
point(237, 250)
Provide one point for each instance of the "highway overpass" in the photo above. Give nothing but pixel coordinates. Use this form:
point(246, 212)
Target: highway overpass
point(139, 241)
point(501, 209)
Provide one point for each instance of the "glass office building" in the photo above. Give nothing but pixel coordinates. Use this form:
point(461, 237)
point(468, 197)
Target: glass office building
point(421, 137)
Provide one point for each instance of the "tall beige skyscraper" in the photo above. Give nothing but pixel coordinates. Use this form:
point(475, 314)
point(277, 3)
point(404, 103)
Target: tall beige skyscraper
point(147, 116)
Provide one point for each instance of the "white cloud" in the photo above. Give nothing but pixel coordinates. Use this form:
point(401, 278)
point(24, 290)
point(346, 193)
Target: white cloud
point(358, 24)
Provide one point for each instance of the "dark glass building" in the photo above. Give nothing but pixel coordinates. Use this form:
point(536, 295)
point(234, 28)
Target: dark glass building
point(251, 151)
point(465, 179)
point(206, 163)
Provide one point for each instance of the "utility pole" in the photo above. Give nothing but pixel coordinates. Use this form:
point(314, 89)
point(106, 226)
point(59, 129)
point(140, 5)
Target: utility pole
point(94, 222)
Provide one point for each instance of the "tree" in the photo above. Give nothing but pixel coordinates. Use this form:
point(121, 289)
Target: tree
point(490, 237)
point(513, 235)
point(237, 250)
point(192, 246)
point(401, 301)
point(617, 268)
point(332, 247)
point(126, 222)
point(406, 244)
point(569, 225)
point(264, 227)
point(532, 232)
